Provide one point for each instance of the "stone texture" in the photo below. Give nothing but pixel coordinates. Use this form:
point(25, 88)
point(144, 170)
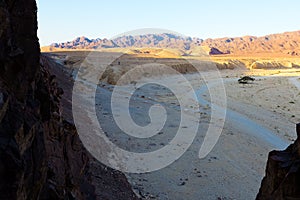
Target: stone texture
point(41, 156)
point(282, 180)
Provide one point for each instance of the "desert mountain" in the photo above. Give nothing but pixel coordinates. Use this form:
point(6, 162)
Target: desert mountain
point(164, 40)
point(287, 43)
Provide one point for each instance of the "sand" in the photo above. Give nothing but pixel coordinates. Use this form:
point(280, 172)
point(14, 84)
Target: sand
point(260, 117)
point(234, 168)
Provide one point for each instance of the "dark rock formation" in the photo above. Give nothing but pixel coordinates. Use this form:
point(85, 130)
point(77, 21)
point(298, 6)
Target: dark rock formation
point(282, 180)
point(215, 51)
point(41, 156)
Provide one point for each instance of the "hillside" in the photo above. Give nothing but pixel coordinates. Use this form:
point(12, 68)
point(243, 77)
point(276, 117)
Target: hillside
point(287, 43)
point(284, 43)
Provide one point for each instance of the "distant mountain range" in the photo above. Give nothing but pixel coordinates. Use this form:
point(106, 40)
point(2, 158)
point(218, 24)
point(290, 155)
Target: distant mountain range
point(283, 43)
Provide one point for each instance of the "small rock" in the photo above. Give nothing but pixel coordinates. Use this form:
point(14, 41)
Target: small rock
point(182, 183)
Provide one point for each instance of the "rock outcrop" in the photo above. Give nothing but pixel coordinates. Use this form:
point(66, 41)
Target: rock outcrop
point(282, 180)
point(215, 51)
point(41, 156)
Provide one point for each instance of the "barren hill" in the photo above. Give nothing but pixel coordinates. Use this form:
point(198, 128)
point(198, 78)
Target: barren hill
point(287, 43)
point(164, 40)
point(284, 43)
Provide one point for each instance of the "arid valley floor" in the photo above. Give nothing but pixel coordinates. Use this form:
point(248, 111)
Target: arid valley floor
point(260, 117)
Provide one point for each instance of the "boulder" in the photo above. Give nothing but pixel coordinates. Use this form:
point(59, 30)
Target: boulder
point(282, 179)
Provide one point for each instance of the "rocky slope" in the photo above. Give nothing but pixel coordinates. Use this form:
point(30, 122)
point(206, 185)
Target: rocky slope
point(282, 180)
point(285, 43)
point(41, 156)
point(164, 40)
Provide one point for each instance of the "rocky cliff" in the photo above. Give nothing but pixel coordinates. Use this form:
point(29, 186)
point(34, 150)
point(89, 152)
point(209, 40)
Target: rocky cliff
point(41, 156)
point(282, 180)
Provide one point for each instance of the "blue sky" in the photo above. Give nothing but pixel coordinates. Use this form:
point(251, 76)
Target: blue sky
point(63, 20)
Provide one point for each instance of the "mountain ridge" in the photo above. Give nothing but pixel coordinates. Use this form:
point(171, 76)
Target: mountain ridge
point(287, 43)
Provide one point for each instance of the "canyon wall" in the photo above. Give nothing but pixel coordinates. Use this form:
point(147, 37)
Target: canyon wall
point(41, 156)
